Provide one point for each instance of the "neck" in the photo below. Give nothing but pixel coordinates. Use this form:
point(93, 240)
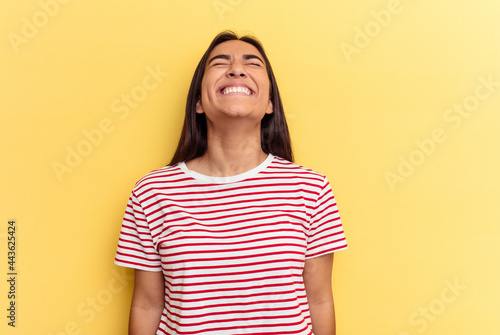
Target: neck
point(230, 151)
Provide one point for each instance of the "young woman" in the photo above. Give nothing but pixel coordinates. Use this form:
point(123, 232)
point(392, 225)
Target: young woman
point(232, 237)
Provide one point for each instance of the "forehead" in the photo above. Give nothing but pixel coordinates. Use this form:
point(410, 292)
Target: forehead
point(235, 48)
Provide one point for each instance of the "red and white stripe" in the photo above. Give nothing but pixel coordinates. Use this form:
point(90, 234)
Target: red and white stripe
point(232, 250)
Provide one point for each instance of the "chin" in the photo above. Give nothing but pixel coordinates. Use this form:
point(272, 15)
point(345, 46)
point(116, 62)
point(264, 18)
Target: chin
point(238, 113)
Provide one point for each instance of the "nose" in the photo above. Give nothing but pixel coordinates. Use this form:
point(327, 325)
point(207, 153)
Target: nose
point(236, 70)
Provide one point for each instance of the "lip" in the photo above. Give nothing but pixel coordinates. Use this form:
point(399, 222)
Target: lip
point(223, 87)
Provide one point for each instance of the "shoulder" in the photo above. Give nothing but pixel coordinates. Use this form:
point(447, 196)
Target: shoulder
point(293, 170)
point(160, 177)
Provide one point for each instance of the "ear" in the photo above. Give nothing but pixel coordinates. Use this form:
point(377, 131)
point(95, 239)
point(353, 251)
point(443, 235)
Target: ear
point(199, 107)
point(269, 109)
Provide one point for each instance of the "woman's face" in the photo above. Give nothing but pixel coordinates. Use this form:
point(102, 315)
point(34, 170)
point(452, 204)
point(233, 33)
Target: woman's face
point(235, 84)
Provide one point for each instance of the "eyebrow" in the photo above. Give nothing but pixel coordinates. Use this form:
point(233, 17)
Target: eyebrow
point(247, 57)
point(227, 57)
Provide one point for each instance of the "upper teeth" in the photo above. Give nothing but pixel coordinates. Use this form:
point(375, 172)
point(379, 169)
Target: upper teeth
point(238, 89)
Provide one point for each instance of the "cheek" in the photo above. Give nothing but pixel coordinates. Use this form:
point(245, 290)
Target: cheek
point(203, 86)
point(267, 90)
point(267, 86)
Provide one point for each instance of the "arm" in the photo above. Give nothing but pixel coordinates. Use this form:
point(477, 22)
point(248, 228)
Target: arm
point(148, 300)
point(318, 282)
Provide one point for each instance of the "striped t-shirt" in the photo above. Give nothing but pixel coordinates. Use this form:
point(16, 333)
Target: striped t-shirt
point(232, 249)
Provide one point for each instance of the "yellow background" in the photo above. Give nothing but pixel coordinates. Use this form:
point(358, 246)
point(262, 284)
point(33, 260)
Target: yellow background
point(417, 223)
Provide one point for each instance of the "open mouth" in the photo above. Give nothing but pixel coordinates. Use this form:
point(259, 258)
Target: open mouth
point(236, 90)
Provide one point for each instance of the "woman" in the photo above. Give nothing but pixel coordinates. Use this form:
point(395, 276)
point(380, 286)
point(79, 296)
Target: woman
point(232, 237)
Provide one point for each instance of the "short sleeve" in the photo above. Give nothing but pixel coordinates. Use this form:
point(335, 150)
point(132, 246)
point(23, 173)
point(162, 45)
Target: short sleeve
point(136, 248)
point(326, 233)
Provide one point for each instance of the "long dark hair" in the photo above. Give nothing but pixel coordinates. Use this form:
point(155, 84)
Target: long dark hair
point(274, 135)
